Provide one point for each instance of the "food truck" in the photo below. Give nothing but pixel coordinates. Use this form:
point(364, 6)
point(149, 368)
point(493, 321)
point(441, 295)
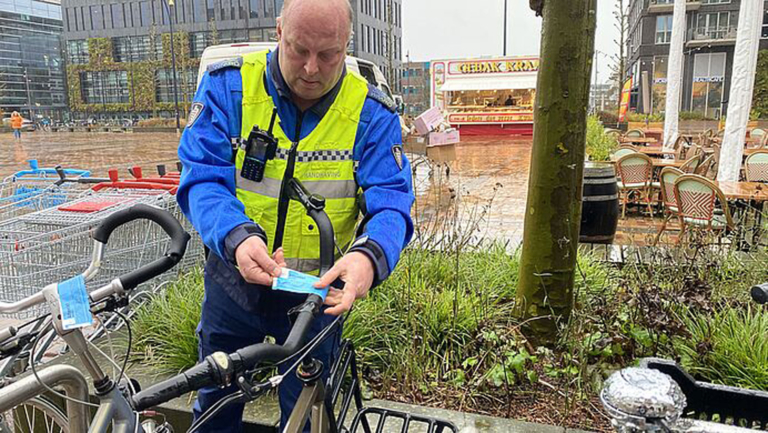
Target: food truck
point(486, 95)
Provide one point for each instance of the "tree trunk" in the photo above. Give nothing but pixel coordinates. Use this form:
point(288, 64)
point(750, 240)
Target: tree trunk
point(553, 212)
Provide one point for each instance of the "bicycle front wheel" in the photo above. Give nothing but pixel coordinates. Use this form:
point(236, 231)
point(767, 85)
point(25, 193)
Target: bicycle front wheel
point(35, 415)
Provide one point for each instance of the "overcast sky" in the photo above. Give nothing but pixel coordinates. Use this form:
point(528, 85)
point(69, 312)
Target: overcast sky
point(439, 29)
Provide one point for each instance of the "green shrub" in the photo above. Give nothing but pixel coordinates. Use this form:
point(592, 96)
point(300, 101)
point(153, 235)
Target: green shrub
point(727, 346)
point(164, 328)
point(692, 115)
point(599, 145)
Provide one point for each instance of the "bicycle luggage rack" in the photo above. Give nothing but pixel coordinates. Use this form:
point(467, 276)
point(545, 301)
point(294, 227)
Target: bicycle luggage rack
point(715, 403)
point(421, 423)
point(348, 390)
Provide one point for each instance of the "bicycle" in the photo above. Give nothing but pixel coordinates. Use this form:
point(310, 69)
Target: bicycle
point(121, 410)
point(660, 396)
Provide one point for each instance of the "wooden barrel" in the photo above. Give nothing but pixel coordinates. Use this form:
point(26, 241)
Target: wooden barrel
point(599, 204)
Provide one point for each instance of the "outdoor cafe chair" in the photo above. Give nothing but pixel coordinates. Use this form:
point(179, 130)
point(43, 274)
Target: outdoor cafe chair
point(758, 133)
point(667, 179)
point(692, 163)
point(622, 152)
point(635, 174)
point(756, 166)
point(635, 133)
point(705, 166)
point(702, 205)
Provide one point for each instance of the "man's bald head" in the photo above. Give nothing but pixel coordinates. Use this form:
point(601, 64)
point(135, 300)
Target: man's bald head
point(313, 37)
point(335, 14)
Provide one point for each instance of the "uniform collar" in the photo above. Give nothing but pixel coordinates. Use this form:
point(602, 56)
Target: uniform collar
point(322, 106)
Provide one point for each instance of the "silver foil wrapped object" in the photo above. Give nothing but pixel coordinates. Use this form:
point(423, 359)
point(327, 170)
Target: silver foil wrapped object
point(642, 400)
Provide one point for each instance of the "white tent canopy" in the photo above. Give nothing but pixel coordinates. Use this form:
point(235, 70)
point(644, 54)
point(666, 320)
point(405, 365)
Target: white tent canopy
point(527, 81)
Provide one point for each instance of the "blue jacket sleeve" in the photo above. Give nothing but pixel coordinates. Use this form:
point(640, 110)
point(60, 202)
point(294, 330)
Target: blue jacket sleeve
point(384, 174)
point(206, 192)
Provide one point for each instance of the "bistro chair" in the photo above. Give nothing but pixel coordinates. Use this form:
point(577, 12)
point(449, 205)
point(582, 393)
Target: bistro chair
point(622, 152)
point(635, 174)
point(667, 179)
point(701, 205)
point(635, 133)
point(692, 163)
point(680, 147)
point(756, 166)
point(704, 166)
point(758, 133)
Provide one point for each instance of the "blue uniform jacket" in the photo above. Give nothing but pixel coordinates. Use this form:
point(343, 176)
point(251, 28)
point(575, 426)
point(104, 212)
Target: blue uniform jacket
point(206, 194)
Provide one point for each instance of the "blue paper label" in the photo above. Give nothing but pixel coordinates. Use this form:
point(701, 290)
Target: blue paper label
point(73, 300)
point(297, 282)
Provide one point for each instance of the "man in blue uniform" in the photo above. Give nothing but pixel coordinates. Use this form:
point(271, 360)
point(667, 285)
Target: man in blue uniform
point(338, 135)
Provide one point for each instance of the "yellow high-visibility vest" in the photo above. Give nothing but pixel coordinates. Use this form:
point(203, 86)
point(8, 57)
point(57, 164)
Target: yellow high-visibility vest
point(323, 163)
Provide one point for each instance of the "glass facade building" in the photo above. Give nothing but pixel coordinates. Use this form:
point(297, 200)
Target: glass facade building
point(31, 69)
point(136, 34)
point(710, 40)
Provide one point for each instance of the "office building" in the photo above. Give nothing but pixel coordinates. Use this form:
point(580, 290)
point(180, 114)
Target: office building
point(119, 59)
point(31, 70)
point(415, 87)
point(710, 38)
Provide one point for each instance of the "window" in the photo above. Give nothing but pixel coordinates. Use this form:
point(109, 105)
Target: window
point(121, 49)
point(209, 9)
point(118, 20)
point(269, 8)
point(97, 18)
point(253, 5)
point(104, 87)
point(164, 83)
point(198, 11)
point(198, 42)
point(764, 34)
point(71, 20)
point(713, 26)
point(663, 29)
point(715, 1)
point(146, 14)
point(77, 52)
point(83, 14)
point(708, 81)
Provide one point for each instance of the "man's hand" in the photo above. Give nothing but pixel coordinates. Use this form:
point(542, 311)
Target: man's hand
point(254, 262)
point(356, 270)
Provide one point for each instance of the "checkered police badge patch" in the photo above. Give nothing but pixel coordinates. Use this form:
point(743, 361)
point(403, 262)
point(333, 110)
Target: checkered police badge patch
point(194, 113)
point(397, 152)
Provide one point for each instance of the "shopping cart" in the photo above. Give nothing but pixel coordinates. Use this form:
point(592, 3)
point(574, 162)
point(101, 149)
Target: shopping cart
point(55, 241)
point(38, 188)
point(66, 188)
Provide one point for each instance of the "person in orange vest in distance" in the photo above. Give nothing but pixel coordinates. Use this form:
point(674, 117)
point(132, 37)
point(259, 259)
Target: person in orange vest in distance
point(16, 121)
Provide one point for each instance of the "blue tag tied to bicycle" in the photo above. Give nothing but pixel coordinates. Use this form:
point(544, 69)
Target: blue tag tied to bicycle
point(298, 282)
point(74, 304)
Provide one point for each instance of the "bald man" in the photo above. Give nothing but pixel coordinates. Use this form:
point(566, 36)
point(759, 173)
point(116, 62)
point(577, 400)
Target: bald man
point(338, 135)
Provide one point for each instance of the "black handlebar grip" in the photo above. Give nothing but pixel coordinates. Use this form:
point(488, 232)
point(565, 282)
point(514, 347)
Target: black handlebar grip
point(193, 379)
point(760, 293)
point(166, 221)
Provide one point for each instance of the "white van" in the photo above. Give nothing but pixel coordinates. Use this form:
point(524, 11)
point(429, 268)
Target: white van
point(218, 53)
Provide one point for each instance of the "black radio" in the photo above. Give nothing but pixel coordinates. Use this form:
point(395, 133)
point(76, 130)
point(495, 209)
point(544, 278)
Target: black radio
point(260, 147)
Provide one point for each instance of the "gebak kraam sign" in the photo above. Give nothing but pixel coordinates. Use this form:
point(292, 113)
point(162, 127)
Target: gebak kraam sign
point(494, 67)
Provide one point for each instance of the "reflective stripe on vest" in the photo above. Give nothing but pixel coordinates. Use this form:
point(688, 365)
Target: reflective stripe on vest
point(324, 164)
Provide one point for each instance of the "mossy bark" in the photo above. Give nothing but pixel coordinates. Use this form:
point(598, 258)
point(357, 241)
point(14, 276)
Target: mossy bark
point(553, 211)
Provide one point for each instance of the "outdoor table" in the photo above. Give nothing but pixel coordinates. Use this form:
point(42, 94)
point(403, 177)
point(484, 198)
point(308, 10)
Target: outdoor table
point(752, 191)
point(639, 140)
point(661, 163)
point(748, 196)
point(656, 151)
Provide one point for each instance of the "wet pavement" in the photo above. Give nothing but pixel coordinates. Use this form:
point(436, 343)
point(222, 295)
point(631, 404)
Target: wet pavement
point(95, 151)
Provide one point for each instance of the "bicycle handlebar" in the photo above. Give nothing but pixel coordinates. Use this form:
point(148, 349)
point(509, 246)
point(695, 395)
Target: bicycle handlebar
point(760, 293)
point(168, 223)
point(220, 369)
